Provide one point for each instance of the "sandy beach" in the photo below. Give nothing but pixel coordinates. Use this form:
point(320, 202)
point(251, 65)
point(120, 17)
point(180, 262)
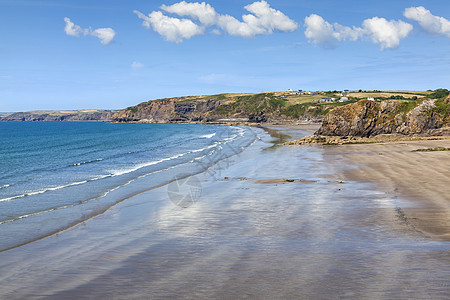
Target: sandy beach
point(272, 222)
point(400, 171)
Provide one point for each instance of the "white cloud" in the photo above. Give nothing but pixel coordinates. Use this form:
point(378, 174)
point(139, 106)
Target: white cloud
point(386, 33)
point(106, 35)
point(202, 12)
point(345, 33)
point(268, 18)
point(262, 20)
point(137, 65)
point(431, 23)
point(318, 30)
point(72, 29)
point(173, 29)
point(233, 26)
point(381, 31)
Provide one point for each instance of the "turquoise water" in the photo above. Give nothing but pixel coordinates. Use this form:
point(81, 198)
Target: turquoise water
point(55, 174)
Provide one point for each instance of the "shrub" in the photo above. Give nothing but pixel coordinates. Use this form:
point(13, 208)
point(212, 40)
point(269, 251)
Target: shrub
point(439, 93)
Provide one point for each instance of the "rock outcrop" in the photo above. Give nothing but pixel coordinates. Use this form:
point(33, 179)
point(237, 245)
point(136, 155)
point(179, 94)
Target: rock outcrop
point(348, 140)
point(369, 118)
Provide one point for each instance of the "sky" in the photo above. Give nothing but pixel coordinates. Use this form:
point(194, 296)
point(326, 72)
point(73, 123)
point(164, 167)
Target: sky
point(111, 54)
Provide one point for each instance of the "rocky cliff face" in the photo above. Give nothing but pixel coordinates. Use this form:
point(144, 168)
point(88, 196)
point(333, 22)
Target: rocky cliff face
point(369, 118)
point(91, 115)
point(168, 110)
point(254, 108)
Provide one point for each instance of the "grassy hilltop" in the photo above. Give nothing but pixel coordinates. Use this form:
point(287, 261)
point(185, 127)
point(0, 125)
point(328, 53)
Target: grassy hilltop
point(263, 107)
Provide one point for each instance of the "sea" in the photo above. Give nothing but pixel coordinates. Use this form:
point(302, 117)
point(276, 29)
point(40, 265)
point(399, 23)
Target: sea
point(54, 175)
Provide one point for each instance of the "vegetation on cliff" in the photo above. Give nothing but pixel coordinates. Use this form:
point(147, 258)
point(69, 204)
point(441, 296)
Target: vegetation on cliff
point(258, 108)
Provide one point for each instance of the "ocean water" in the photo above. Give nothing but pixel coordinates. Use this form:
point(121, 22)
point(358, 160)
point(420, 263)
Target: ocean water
point(54, 175)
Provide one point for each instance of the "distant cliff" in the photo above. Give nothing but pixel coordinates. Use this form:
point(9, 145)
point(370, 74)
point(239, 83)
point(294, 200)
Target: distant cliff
point(255, 108)
point(369, 118)
point(75, 115)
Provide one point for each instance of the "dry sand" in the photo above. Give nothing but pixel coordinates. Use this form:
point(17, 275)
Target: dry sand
point(422, 177)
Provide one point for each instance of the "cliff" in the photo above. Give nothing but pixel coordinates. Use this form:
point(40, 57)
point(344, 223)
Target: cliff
point(254, 108)
point(369, 118)
point(74, 115)
point(183, 109)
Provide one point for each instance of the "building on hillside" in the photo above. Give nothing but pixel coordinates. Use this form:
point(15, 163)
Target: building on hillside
point(343, 99)
point(371, 98)
point(326, 100)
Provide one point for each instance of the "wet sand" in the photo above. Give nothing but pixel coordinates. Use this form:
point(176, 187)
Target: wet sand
point(280, 223)
point(423, 177)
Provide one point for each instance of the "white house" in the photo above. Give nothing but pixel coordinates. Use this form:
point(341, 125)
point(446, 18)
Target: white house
point(371, 98)
point(343, 99)
point(326, 99)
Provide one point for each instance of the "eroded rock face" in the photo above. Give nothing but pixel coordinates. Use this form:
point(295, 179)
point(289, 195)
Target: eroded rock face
point(168, 110)
point(419, 119)
point(370, 118)
point(156, 111)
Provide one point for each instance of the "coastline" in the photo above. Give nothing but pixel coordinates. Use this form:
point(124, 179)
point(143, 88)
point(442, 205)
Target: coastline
point(271, 222)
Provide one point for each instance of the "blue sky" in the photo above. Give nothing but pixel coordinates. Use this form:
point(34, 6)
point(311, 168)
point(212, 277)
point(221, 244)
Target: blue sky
point(67, 54)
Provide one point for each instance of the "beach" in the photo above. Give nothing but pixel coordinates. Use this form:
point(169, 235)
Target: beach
point(272, 222)
point(401, 171)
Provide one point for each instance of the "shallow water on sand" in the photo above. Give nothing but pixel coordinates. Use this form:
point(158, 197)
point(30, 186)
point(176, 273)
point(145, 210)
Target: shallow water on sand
point(250, 235)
